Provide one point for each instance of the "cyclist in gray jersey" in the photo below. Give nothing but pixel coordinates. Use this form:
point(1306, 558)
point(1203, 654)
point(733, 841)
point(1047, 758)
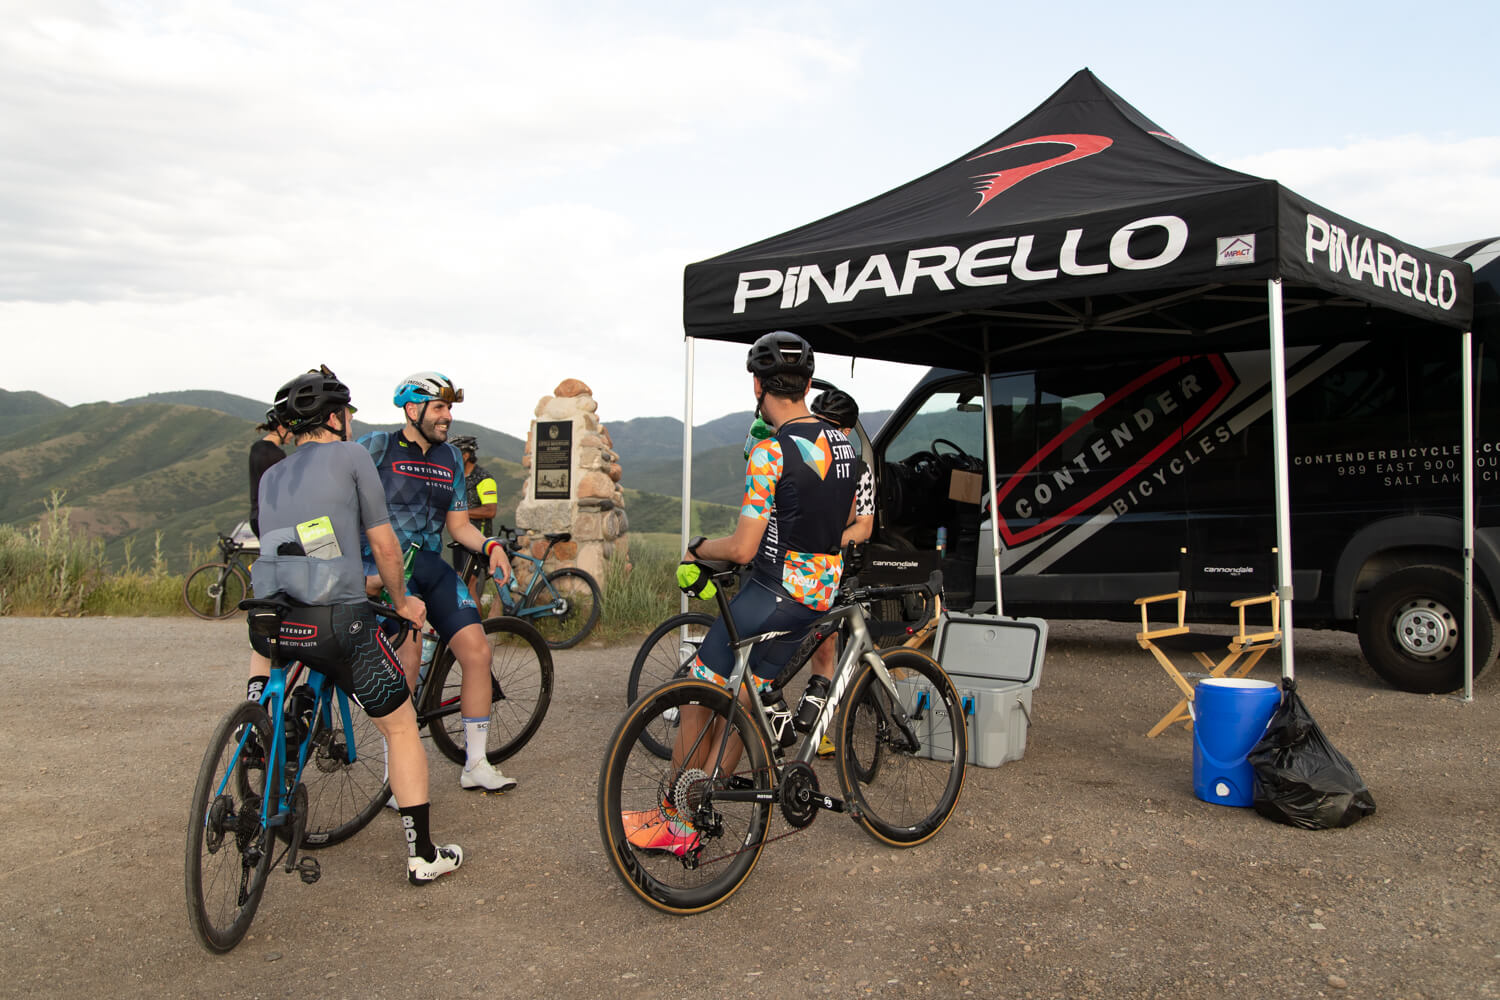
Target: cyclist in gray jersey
point(313, 506)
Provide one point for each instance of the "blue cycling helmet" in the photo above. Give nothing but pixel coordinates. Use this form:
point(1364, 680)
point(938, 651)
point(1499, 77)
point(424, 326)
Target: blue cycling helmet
point(424, 387)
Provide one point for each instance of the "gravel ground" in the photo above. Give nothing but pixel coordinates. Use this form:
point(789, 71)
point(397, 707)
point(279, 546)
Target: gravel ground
point(1087, 869)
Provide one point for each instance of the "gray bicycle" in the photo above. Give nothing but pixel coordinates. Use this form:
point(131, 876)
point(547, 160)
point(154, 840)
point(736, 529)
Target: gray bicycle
point(685, 832)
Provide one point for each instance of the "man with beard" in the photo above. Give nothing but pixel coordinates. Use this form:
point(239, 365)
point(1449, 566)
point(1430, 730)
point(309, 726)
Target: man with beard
point(423, 477)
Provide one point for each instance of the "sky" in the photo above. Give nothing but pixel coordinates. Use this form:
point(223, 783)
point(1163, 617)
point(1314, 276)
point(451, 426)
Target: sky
point(206, 194)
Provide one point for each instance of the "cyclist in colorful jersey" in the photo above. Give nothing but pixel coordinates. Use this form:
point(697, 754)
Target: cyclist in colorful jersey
point(840, 410)
point(331, 483)
point(424, 488)
point(799, 495)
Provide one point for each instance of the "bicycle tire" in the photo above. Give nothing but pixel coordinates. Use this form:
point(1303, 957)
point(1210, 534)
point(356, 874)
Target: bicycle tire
point(343, 795)
point(214, 590)
point(732, 834)
point(664, 656)
point(566, 627)
point(224, 878)
point(520, 685)
point(906, 799)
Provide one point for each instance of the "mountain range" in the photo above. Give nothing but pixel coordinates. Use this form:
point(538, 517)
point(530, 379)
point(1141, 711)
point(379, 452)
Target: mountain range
point(175, 463)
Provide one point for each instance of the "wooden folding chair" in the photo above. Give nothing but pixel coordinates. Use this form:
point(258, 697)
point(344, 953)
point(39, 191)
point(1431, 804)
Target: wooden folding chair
point(1245, 581)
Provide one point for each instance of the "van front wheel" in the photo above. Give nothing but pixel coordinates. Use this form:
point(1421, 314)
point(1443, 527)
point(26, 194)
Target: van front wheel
point(1411, 629)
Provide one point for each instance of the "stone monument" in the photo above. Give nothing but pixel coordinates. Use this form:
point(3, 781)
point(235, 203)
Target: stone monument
point(573, 484)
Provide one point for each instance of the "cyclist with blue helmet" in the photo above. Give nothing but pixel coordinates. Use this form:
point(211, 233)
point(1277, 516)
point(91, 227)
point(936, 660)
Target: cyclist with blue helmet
point(423, 477)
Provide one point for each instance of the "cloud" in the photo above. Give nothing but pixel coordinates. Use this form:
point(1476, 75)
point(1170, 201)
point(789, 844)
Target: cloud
point(1423, 189)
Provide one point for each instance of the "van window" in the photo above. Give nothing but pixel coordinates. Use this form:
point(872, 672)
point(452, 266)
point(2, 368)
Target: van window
point(952, 415)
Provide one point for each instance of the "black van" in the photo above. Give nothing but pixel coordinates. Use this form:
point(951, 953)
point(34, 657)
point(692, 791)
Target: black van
point(1107, 471)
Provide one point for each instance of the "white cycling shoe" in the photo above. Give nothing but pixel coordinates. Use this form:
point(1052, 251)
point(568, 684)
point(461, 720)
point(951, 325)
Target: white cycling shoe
point(484, 776)
point(420, 871)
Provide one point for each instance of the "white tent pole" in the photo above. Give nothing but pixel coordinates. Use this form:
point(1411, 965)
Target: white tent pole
point(1467, 367)
point(989, 463)
point(1283, 492)
point(687, 454)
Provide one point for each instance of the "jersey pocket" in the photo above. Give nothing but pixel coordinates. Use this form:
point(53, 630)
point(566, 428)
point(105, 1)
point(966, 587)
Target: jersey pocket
point(311, 581)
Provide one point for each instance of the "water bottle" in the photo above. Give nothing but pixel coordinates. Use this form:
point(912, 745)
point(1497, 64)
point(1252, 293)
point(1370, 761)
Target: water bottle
point(507, 592)
point(759, 431)
point(781, 722)
point(429, 643)
point(813, 700)
point(942, 540)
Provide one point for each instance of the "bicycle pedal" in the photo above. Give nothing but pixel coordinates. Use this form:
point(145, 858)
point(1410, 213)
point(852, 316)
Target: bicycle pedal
point(309, 870)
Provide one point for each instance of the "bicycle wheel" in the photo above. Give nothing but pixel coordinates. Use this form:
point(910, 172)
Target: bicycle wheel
point(577, 599)
point(666, 654)
point(520, 691)
point(728, 836)
point(344, 794)
point(228, 848)
point(214, 590)
point(902, 797)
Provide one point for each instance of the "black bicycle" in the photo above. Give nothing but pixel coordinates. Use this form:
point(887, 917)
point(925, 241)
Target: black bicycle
point(900, 745)
point(215, 589)
point(348, 785)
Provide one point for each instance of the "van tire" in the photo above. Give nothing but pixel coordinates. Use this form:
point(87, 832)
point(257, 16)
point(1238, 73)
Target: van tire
point(1411, 629)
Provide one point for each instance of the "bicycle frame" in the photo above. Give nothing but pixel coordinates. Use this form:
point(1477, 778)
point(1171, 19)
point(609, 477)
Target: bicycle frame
point(860, 649)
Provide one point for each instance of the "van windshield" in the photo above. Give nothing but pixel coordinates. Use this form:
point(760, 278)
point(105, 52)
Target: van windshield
point(952, 416)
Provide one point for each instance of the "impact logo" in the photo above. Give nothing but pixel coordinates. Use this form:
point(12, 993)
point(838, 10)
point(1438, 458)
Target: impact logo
point(355, 627)
point(1235, 250)
point(1102, 453)
point(989, 185)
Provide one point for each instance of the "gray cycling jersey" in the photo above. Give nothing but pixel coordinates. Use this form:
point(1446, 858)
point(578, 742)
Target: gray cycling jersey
point(336, 480)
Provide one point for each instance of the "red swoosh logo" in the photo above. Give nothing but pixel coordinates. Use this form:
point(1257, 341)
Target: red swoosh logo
point(1002, 180)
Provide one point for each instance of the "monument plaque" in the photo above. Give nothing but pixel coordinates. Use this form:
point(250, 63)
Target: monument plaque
point(553, 460)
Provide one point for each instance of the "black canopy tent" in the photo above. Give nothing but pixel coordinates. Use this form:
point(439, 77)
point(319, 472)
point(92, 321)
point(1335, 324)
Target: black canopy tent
point(1084, 230)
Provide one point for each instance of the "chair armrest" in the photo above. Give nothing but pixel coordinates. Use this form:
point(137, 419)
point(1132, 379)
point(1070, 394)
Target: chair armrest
point(1247, 601)
point(1273, 632)
point(1144, 603)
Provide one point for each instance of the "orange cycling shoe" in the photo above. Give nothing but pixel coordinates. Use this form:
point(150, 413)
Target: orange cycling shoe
point(665, 837)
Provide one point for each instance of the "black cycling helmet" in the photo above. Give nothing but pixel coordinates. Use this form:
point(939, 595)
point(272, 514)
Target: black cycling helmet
point(305, 403)
point(782, 361)
point(780, 352)
point(465, 443)
point(837, 407)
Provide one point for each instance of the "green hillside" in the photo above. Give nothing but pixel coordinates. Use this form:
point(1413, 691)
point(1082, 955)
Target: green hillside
point(130, 470)
point(244, 407)
point(24, 409)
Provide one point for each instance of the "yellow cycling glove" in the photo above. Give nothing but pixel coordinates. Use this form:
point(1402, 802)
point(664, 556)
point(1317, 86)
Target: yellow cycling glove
point(692, 580)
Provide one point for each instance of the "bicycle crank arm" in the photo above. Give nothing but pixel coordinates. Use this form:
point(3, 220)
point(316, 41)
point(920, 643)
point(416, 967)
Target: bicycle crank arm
point(773, 795)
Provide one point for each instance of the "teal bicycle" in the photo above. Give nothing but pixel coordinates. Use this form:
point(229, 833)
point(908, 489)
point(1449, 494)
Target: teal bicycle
point(250, 794)
point(562, 605)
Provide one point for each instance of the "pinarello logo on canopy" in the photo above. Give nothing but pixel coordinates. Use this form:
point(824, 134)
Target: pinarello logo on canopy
point(1104, 450)
point(1079, 146)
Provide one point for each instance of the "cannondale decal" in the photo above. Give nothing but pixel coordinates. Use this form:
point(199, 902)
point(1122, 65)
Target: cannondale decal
point(946, 268)
point(990, 185)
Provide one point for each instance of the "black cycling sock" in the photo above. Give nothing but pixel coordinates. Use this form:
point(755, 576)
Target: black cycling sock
point(255, 687)
point(418, 837)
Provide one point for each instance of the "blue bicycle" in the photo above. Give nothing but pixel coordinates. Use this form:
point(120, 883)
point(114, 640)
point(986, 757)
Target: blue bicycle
point(563, 605)
point(250, 792)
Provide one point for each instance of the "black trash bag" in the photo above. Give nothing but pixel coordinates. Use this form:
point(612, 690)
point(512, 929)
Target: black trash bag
point(1300, 779)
